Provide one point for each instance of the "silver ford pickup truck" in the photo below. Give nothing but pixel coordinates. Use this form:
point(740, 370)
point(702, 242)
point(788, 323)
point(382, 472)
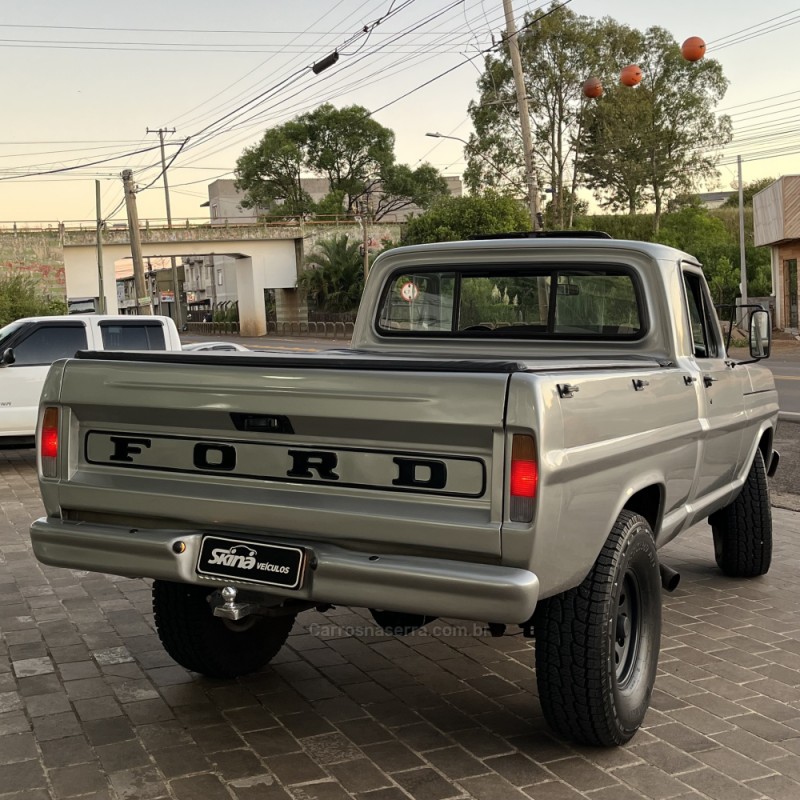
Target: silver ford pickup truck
point(518, 426)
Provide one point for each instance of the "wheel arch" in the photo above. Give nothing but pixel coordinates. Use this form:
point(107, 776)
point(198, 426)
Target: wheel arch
point(765, 445)
point(646, 498)
point(762, 441)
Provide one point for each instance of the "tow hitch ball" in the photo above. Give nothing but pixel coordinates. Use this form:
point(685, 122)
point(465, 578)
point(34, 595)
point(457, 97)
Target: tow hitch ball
point(230, 609)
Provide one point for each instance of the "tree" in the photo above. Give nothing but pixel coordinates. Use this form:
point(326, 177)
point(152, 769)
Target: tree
point(558, 52)
point(20, 297)
point(665, 126)
point(401, 187)
point(348, 148)
point(614, 164)
point(750, 189)
point(695, 231)
point(270, 171)
point(334, 276)
point(455, 218)
point(704, 235)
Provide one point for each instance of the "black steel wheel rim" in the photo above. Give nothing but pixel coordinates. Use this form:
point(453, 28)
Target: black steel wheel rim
point(627, 629)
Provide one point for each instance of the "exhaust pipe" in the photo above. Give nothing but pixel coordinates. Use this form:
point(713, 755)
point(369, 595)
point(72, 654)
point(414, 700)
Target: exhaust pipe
point(669, 577)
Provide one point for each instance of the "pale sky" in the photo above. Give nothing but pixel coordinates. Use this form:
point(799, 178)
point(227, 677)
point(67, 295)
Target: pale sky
point(84, 80)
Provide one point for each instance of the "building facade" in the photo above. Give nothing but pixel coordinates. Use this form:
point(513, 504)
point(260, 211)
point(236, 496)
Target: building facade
point(225, 200)
point(776, 223)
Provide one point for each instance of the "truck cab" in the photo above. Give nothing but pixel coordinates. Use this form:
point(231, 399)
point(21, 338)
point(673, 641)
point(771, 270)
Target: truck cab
point(30, 345)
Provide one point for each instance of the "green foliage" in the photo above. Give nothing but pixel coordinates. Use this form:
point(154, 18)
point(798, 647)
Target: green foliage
point(20, 297)
point(638, 227)
point(750, 189)
point(455, 218)
point(423, 186)
point(632, 146)
point(694, 230)
point(354, 152)
point(334, 276)
point(482, 301)
point(332, 203)
point(270, 171)
point(558, 53)
point(348, 146)
point(711, 236)
point(228, 313)
point(658, 140)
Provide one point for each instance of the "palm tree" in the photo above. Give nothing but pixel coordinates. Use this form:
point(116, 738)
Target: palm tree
point(334, 277)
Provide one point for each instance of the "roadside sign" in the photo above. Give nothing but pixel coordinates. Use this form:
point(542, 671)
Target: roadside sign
point(409, 291)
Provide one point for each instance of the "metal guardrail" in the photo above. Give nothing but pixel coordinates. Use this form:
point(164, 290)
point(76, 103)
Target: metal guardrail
point(319, 330)
point(213, 328)
point(61, 226)
point(324, 330)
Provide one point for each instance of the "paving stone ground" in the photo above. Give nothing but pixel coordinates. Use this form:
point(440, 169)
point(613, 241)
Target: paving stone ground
point(92, 707)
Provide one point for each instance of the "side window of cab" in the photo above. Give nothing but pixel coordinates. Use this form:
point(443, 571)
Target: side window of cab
point(47, 343)
point(702, 317)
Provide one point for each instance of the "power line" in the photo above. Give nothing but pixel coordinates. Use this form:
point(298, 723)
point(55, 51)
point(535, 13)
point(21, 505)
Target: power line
point(80, 166)
point(281, 101)
point(468, 60)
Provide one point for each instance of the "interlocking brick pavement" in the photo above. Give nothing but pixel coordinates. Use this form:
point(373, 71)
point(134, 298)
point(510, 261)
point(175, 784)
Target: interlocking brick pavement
point(92, 707)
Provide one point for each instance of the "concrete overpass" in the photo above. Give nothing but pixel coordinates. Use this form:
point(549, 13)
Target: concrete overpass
point(268, 257)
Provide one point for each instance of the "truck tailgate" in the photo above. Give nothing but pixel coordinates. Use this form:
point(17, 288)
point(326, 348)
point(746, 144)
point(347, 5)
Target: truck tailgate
point(403, 458)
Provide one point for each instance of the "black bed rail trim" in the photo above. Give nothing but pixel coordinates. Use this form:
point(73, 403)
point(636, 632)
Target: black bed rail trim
point(293, 360)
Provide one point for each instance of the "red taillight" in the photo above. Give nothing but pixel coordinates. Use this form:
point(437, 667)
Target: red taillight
point(524, 476)
point(48, 442)
point(523, 479)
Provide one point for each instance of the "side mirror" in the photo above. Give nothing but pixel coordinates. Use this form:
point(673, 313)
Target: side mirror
point(760, 334)
point(7, 359)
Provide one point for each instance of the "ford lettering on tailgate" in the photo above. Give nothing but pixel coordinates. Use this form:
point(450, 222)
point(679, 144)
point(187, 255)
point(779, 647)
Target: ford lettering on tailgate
point(457, 476)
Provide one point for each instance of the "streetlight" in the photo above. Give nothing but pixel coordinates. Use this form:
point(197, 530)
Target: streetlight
point(491, 163)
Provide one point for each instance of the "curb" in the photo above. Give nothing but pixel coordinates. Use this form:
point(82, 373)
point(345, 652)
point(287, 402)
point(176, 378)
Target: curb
point(789, 416)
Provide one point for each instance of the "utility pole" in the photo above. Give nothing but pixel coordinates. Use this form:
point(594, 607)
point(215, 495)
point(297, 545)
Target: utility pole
point(176, 300)
point(524, 117)
point(365, 236)
point(101, 291)
point(136, 243)
point(742, 255)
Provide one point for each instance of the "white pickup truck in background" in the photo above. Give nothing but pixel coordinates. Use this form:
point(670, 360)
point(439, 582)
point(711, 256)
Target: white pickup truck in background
point(29, 346)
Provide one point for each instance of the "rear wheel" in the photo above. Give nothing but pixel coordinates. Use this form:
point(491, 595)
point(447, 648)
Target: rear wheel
point(597, 644)
point(213, 646)
point(743, 529)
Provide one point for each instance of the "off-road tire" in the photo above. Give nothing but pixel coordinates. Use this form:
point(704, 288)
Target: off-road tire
point(743, 529)
point(594, 674)
point(213, 646)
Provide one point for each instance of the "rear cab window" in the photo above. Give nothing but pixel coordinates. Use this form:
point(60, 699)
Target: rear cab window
point(519, 301)
point(133, 335)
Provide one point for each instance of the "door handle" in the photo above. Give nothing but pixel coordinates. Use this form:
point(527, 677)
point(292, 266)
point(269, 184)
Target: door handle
point(708, 380)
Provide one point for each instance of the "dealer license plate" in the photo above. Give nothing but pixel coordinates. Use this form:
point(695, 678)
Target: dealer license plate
point(271, 564)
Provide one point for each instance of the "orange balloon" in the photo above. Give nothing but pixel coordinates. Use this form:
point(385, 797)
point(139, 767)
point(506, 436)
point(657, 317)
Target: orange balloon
point(693, 49)
point(592, 87)
point(631, 75)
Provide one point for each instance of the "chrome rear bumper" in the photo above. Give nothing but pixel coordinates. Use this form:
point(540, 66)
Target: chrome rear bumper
point(414, 584)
